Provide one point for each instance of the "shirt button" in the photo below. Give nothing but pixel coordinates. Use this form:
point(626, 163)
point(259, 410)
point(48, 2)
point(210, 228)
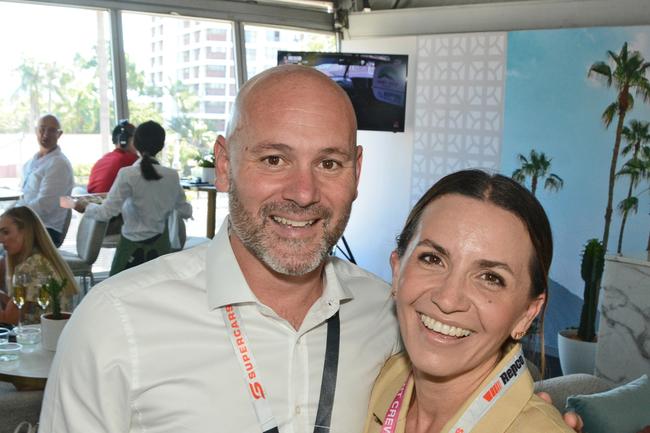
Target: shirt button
point(297, 410)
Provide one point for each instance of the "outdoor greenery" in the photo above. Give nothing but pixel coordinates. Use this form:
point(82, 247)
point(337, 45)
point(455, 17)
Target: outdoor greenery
point(537, 167)
point(591, 270)
point(627, 74)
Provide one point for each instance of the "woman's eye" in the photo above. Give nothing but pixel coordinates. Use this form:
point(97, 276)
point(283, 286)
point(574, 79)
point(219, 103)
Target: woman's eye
point(494, 279)
point(430, 259)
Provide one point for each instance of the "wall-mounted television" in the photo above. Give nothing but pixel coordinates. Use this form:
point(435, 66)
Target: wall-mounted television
point(375, 83)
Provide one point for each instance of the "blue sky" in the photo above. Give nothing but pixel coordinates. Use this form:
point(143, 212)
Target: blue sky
point(553, 107)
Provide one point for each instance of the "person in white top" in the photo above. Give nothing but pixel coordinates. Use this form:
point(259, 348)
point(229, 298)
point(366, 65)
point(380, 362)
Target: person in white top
point(261, 330)
point(145, 194)
point(46, 177)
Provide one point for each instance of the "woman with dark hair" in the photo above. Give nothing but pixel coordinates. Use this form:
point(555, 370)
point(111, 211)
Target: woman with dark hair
point(470, 274)
point(145, 194)
point(29, 249)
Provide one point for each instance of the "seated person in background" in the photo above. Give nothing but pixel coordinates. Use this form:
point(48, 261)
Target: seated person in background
point(145, 193)
point(104, 172)
point(470, 274)
point(46, 177)
point(29, 249)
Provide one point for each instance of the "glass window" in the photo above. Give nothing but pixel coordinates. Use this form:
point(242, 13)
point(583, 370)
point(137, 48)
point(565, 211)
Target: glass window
point(179, 99)
point(263, 43)
point(66, 72)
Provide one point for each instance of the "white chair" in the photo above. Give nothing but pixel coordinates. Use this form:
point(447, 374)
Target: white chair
point(90, 235)
point(182, 242)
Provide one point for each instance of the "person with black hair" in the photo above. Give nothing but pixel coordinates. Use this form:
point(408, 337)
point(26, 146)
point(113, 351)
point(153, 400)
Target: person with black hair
point(104, 172)
point(146, 194)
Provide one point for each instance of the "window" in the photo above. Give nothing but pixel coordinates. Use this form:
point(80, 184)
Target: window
point(216, 52)
point(185, 96)
point(68, 73)
point(197, 36)
point(263, 43)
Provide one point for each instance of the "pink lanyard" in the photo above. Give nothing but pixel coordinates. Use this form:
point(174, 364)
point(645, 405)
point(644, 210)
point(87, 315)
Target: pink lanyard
point(488, 396)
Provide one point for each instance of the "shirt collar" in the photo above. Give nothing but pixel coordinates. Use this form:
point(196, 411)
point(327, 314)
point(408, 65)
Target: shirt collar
point(56, 150)
point(226, 283)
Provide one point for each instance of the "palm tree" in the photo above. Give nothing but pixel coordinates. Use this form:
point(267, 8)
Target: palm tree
point(636, 136)
point(629, 74)
point(537, 168)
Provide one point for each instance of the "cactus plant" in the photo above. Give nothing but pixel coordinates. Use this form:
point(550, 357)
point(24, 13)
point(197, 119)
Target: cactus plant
point(593, 263)
point(54, 289)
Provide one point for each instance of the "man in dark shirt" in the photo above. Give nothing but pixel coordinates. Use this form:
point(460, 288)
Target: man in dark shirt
point(104, 172)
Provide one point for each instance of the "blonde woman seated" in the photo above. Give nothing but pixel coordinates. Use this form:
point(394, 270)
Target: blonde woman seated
point(29, 249)
point(470, 273)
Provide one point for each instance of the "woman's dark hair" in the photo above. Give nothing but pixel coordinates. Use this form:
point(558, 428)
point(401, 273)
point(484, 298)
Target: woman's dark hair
point(149, 139)
point(506, 194)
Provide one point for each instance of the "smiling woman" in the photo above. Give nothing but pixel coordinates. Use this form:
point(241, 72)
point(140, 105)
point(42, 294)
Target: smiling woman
point(469, 277)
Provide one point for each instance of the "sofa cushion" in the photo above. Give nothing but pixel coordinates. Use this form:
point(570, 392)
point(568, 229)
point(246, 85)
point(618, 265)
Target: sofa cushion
point(622, 410)
point(559, 388)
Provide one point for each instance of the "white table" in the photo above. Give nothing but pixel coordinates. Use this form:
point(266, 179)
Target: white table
point(30, 370)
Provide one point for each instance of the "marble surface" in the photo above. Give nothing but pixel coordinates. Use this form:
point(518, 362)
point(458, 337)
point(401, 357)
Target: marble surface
point(623, 351)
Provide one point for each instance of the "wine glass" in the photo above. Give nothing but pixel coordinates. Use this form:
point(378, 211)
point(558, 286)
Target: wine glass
point(18, 292)
point(43, 298)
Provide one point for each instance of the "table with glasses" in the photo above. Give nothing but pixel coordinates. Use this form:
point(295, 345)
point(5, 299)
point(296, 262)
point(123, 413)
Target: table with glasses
point(30, 370)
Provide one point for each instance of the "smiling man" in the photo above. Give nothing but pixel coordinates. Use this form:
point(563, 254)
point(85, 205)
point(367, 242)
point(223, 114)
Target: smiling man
point(46, 177)
point(261, 330)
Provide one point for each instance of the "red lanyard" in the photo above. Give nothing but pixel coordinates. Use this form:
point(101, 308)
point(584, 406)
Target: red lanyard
point(484, 401)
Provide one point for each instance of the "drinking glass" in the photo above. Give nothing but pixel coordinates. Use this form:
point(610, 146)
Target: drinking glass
point(43, 297)
point(18, 291)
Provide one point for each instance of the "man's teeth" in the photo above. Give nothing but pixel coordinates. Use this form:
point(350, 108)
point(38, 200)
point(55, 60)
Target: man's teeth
point(293, 223)
point(442, 328)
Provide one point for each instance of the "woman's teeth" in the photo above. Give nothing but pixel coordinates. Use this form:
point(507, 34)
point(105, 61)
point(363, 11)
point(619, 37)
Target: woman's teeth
point(292, 223)
point(442, 328)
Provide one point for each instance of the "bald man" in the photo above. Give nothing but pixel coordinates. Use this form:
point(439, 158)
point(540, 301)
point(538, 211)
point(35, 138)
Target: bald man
point(261, 330)
point(46, 177)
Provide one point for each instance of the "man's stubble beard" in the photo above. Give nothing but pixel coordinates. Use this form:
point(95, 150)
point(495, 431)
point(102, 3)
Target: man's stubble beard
point(262, 244)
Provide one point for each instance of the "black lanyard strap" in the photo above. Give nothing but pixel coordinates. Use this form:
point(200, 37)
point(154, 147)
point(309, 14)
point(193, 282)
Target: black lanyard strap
point(328, 383)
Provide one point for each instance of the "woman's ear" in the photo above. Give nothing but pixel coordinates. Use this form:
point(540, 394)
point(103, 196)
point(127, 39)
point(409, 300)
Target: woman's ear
point(395, 269)
point(534, 308)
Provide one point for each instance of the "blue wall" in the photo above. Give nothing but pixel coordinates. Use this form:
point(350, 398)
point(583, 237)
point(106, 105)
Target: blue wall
point(552, 106)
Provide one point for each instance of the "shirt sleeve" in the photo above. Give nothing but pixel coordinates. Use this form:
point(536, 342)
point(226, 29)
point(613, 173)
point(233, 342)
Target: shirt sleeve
point(55, 183)
point(183, 208)
point(112, 205)
point(89, 385)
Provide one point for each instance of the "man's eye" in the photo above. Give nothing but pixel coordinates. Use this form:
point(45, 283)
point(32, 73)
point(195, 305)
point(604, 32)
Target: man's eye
point(330, 164)
point(493, 279)
point(272, 160)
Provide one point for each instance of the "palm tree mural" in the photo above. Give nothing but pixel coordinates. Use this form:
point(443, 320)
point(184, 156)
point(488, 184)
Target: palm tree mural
point(537, 167)
point(637, 136)
point(628, 74)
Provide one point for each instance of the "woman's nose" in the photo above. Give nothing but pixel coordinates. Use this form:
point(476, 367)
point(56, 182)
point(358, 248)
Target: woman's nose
point(451, 295)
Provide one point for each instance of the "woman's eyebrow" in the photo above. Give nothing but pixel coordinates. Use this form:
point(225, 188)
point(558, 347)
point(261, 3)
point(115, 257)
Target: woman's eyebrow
point(484, 263)
point(434, 245)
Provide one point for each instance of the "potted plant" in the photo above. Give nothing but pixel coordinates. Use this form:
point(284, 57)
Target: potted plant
point(52, 323)
point(577, 347)
point(205, 163)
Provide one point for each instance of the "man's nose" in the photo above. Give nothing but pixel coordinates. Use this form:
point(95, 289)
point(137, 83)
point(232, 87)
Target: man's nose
point(303, 187)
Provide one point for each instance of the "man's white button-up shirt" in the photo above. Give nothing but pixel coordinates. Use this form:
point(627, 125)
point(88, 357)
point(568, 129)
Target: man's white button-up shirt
point(45, 179)
point(148, 350)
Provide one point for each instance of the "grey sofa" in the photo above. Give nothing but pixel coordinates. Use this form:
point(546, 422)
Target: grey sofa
point(559, 388)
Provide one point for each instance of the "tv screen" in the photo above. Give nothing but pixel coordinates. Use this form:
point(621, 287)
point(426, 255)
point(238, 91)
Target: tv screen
point(375, 83)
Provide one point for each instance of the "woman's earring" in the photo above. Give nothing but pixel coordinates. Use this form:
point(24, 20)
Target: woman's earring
point(519, 335)
point(393, 293)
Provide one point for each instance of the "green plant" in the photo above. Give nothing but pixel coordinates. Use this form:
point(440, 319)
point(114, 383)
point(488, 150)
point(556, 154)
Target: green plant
point(54, 288)
point(205, 161)
point(537, 166)
point(591, 270)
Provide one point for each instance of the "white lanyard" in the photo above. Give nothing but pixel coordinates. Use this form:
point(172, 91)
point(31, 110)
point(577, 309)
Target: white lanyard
point(257, 393)
point(488, 396)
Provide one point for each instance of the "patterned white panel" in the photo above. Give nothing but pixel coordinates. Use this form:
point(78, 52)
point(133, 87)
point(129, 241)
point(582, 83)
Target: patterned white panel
point(460, 84)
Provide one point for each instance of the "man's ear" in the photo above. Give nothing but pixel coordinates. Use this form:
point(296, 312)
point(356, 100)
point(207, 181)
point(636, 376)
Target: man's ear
point(221, 164)
point(358, 161)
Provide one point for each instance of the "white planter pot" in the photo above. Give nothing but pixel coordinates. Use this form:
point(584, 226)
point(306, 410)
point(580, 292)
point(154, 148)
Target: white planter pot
point(207, 175)
point(576, 356)
point(51, 329)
